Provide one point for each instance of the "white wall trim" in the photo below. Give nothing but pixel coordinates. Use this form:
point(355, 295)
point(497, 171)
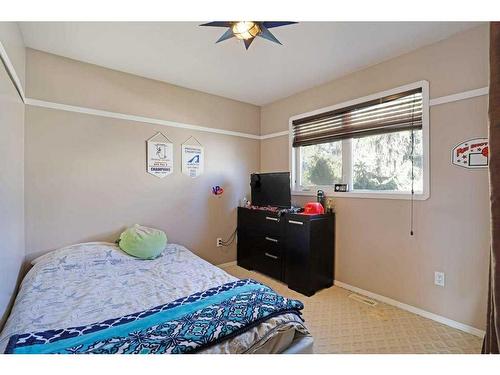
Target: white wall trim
point(432, 102)
point(228, 264)
point(12, 72)
point(274, 135)
point(459, 96)
point(415, 310)
point(124, 116)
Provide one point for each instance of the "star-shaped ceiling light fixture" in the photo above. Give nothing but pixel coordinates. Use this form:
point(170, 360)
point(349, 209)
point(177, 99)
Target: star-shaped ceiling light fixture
point(248, 30)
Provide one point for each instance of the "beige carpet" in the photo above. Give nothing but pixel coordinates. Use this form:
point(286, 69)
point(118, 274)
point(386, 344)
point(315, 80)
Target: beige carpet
point(342, 325)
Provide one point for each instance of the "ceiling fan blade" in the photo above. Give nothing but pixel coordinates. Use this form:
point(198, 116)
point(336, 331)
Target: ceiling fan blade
point(227, 35)
point(266, 34)
point(248, 42)
point(271, 24)
point(218, 24)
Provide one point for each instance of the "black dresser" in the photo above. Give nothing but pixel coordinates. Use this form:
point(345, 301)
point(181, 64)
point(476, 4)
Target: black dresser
point(296, 249)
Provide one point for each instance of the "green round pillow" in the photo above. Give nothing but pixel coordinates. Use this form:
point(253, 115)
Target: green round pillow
point(142, 242)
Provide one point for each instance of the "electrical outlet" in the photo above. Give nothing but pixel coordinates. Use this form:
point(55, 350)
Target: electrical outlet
point(219, 242)
point(439, 278)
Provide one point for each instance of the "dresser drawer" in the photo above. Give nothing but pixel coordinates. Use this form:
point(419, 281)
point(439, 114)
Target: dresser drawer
point(271, 241)
point(271, 225)
point(270, 245)
point(256, 222)
point(270, 257)
point(270, 262)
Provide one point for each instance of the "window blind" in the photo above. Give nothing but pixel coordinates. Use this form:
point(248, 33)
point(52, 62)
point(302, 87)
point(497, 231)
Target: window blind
point(387, 114)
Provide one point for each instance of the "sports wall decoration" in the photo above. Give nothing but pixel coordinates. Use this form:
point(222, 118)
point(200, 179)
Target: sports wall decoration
point(192, 158)
point(160, 155)
point(217, 190)
point(471, 154)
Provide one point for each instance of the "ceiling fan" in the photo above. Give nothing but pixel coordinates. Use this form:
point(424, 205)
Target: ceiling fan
point(248, 30)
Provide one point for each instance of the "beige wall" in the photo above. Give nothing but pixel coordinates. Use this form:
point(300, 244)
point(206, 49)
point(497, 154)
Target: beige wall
point(86, 175)
point(11, 189)
point(374, 249)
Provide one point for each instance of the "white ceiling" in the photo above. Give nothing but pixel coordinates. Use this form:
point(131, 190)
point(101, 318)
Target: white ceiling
point(184, 54)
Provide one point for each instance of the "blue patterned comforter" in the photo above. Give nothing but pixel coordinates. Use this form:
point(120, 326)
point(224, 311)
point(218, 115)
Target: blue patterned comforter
point(186, 325)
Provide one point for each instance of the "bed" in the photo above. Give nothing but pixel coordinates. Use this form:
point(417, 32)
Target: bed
point(91, 284)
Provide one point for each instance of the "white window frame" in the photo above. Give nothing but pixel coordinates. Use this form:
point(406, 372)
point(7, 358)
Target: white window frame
point(294, 154)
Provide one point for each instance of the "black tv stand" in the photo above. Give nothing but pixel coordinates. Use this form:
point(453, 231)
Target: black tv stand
point(296, 249)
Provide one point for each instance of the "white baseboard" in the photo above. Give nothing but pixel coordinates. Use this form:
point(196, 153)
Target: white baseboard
point(228, 264)
point(403, 306)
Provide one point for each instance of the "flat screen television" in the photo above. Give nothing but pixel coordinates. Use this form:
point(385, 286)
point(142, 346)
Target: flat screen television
point(271, 189)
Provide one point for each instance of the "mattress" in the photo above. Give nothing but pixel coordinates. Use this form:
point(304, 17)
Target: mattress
point(91, 282)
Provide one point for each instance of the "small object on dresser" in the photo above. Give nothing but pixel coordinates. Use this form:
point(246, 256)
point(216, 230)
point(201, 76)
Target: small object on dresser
point(330, 205)
point(313, 208)
point(341, 188)
point(320, 197)
point(244, 202)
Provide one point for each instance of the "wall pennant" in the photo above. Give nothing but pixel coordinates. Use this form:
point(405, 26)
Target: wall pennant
point(160, 155)
point(471, 154)
point(193, 158)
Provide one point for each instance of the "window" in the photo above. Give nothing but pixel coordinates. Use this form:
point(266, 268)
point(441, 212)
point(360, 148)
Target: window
point(321, 164)
point(378, 145)
point(384, 162)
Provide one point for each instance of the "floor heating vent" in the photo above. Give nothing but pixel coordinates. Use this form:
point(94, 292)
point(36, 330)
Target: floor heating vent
point(363, 299)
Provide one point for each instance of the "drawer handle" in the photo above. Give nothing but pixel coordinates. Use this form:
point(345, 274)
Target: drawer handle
point(295, 222)
point(271, 218)
point(272, 239)
point(270, 255)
